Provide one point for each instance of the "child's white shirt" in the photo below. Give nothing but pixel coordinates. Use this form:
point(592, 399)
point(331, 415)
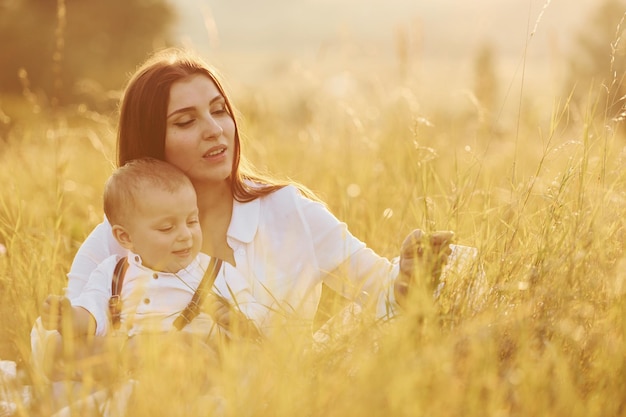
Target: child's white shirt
point(151, 300)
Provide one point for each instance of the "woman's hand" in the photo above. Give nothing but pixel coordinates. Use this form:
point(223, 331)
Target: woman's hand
point(231, 318)
point(52, 312)
point(219, 309)
point(422, 258)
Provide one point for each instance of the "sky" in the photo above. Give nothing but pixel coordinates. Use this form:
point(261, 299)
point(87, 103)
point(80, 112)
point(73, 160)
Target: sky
point(252, 39)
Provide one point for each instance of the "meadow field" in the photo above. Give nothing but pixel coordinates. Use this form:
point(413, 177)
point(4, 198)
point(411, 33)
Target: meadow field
point(539, 189)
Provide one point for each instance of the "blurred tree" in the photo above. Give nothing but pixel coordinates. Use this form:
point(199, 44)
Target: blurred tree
point(486, 88)
point(599, 60)
point(485, 79)
point(67, 48)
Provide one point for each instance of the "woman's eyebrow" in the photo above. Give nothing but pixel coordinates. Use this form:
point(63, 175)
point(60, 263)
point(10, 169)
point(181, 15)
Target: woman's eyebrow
point(182, 110)
point(191, 108)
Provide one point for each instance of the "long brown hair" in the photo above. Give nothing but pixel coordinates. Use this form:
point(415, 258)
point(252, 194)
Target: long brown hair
point(142, 123)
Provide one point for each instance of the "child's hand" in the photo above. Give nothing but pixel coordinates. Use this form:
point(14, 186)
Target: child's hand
point(53, 310)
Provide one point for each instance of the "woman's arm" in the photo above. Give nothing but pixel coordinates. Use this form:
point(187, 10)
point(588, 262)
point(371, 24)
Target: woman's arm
point(98, 246)
point(359, 274)
point(95, 295)
point(58, 314)
point(87, 313)
point(347, 265)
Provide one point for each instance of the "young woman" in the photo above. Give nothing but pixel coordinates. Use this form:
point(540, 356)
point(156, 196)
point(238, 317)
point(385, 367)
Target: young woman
point(275, 236)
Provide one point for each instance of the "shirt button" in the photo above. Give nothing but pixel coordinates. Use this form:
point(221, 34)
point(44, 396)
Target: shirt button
point(155, 276)
point(146, 301)
point(136, 258)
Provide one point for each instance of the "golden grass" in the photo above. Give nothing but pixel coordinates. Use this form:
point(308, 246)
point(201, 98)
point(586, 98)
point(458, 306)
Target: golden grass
point(543, 200)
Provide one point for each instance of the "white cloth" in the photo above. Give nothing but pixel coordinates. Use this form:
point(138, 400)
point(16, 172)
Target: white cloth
point(151, 300)
point(285, 246)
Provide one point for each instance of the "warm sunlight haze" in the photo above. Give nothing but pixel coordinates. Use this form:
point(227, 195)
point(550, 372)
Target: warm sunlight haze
point(500, 120)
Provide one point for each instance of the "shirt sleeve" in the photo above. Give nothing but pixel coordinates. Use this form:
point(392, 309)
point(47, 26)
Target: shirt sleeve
point(96, 293)
point(99, 245)
point(347, 265)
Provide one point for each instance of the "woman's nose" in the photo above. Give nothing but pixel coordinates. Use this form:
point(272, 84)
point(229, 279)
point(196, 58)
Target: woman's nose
point(212, 129)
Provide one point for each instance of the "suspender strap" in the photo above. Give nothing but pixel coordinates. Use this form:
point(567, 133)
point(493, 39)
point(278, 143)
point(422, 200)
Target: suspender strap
point(193, 308)
point(115, 302)
point(189, 313)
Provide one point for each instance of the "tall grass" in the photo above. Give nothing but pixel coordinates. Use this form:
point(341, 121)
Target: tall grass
point(541, 333)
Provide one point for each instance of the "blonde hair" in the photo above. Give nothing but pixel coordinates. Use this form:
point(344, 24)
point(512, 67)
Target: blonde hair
point(127, 181)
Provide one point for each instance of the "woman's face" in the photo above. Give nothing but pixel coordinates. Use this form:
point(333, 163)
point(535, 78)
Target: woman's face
point(200, 132)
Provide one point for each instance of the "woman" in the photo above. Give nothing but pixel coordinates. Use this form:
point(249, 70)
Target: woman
point(277, 241)
point(275, 238)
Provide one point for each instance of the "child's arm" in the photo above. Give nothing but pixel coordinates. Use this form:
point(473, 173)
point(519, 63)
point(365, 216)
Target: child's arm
point(58, 314)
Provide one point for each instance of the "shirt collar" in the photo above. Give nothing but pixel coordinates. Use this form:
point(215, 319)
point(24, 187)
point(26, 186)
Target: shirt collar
point(245, 220)
point(198, 265)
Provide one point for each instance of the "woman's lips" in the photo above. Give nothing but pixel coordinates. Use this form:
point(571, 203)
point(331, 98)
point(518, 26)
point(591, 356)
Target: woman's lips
point(215, 152)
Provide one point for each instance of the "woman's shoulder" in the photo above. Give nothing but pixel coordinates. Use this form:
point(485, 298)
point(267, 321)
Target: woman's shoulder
point(103, 228)
point(290, 202)
point(287, 202)
point(109, 264)
point(288, 192)
point(287, 198)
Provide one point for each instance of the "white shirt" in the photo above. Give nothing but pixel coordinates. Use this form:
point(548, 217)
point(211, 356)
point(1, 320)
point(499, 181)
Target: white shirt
point(285, 246)
point(151, 300)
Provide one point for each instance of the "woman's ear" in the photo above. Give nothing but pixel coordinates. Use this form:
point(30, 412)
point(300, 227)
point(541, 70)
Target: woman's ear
point(122, 236)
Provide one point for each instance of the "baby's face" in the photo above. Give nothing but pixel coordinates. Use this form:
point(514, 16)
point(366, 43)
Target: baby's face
point(165, 228)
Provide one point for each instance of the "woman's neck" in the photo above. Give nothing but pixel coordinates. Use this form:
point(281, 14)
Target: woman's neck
point(215, 203)
point(214, 198)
